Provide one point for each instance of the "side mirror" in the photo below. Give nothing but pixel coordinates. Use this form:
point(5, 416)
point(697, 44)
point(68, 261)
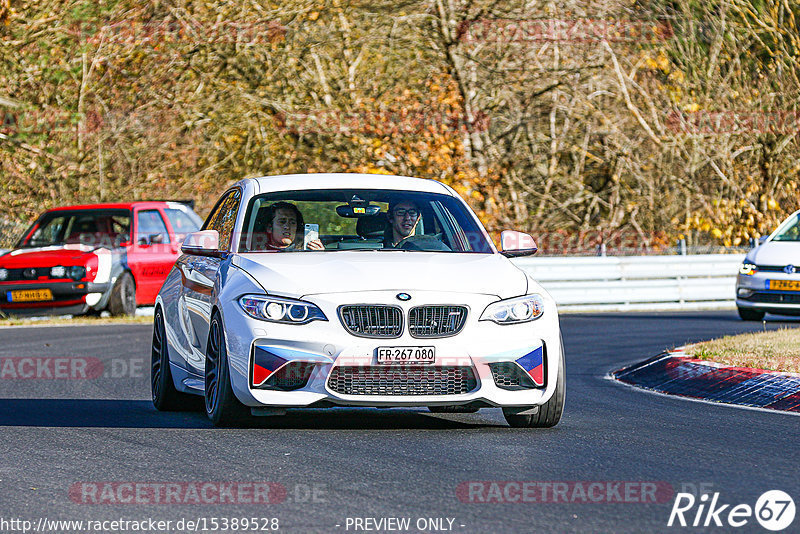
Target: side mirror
point(514, 244)
point(762, 239)
point(204, 243)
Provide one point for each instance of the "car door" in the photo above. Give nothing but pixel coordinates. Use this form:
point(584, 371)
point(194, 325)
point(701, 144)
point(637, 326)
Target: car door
point(151, 254)
point(198, 274)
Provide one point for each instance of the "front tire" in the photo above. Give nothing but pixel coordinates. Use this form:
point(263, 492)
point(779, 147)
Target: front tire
point(222, 406)
point(749, 314)
point(162, 388)
point(549, 413)
point(123, 296)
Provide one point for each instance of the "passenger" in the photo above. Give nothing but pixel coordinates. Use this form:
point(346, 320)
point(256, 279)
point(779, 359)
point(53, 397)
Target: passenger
point(403, 219)
point(284, 227)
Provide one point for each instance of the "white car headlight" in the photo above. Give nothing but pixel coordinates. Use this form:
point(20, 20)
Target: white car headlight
point(748, 268)
point(516, 310)
point(280, 310)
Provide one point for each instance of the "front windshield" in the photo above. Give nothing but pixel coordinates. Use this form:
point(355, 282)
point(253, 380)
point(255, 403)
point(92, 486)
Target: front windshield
point(369, 219)
point(86, 227)
point(789, 230)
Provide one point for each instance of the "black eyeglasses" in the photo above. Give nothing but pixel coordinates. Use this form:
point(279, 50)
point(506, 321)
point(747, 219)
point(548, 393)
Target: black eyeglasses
point(402, 213)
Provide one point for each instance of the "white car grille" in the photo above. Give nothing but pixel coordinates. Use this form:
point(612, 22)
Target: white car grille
point(372, 320)
point(384, 321)
point(405, 380)
point(436, 321)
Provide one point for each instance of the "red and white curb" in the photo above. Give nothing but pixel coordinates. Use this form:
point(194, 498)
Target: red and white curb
point(676, 373)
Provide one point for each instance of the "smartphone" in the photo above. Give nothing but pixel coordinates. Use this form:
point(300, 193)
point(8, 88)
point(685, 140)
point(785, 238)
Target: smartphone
point(310, 233)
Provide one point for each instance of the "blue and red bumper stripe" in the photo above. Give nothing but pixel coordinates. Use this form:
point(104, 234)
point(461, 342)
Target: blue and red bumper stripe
point(264, 364)
point(268, 359)
point(533, 364)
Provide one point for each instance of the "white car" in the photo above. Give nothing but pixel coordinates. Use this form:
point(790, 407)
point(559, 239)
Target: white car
point(768, 279)
point(325, 290)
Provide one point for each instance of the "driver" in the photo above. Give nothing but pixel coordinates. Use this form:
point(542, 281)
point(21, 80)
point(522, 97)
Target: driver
point(284, 227)
point(403, 219)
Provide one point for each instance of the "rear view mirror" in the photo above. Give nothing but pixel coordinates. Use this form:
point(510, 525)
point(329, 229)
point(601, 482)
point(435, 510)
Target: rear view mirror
point(352, 212)
point(514, 244)
point(203, 243)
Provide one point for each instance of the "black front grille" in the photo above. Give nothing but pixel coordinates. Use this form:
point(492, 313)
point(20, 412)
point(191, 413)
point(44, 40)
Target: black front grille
point(28, 273)
point(436, 321)
point(372, 320)
point(402, 380)
point(510, 376)
point(785, 298)
point(771, 268)
point(291, 376)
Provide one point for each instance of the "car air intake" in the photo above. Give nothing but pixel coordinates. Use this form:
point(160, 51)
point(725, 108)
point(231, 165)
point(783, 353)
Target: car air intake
point(372, 320)
point(402, 380)
point(508, 375)
point(436, 321)
point(293, 375)
point(785, 298)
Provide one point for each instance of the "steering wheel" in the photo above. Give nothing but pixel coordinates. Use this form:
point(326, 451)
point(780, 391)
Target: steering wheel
point(422, 242)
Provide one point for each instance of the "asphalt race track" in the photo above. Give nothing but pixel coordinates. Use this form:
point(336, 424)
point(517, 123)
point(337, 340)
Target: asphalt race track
point(95, 425)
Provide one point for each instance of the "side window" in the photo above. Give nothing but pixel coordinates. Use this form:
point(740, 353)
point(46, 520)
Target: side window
point(181, 223)
point(150, 228)
point(223, 219)
point(49, 233)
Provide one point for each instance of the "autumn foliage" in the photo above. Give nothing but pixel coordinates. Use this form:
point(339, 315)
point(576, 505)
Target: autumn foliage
point(654, 119)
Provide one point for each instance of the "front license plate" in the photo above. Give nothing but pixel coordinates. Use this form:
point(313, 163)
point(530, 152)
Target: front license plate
point(400, 355)
point(785, 285)
point(30, 295)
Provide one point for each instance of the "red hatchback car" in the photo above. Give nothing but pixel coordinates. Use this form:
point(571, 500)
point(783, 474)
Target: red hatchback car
point(90, 258)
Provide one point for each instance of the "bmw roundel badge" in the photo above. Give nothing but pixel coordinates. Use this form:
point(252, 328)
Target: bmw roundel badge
point(403, 296)
point(789, 269)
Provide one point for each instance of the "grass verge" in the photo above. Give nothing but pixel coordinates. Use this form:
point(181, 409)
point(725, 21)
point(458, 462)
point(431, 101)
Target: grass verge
point(777, 350)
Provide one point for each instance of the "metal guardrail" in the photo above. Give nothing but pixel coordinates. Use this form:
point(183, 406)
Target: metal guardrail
point(637, 282)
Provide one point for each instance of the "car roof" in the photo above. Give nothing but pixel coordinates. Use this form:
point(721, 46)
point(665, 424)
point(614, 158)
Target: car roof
point(119, 205)
point(292, 182)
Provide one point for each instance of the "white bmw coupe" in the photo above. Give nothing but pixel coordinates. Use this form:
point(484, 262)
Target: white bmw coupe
point(322, 290)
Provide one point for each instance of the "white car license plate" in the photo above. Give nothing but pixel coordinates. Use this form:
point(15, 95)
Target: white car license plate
point(401, 355)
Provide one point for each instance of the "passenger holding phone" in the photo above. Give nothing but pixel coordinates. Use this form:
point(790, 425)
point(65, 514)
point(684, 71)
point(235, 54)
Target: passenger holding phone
point(285, 228)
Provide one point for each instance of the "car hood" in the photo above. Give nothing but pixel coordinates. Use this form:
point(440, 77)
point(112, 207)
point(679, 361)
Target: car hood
point(46, 256)
point(776, 253)
point(309, 273)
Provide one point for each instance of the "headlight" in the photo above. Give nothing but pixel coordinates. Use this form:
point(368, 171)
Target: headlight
point(3, 274)
point(77, 272)
point(516, 310)
point(59, 271)
point(748, 268)
point(280, 310)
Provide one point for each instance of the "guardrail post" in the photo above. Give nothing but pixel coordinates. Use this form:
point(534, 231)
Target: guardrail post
point(601, 249)
point(682, 247)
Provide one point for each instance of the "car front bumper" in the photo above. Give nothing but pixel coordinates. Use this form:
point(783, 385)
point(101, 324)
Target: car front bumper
point(68, 297)
point(330, 350)
point(753, 292)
